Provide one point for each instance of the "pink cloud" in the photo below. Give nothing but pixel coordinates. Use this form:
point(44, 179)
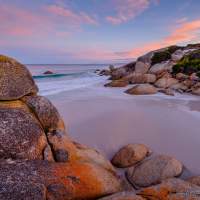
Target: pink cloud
point(184, 32)
point(127, 10)
point(19, 22)
point(70, 15)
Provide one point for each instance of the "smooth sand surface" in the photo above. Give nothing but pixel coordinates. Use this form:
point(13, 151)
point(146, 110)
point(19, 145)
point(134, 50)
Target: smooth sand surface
point(107, 119)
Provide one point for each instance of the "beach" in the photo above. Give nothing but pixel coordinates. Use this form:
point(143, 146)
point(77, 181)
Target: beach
point(107, 119)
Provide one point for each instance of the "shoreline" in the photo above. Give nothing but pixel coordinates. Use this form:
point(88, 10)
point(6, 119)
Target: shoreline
point(163, 123)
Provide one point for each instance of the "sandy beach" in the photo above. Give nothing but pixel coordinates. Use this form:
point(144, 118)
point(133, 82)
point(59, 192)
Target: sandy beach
point(107, 119)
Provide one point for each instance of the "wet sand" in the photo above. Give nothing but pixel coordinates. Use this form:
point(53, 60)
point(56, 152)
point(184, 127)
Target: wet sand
point(107, 119)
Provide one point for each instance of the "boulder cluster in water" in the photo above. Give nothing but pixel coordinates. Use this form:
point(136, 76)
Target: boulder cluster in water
point(167, 70)
point(38, 161)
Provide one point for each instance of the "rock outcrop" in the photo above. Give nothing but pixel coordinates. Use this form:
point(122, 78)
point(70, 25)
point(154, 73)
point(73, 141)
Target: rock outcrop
point(172, 68)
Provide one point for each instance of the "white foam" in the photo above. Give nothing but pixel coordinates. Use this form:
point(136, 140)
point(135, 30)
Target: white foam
point(51, 87)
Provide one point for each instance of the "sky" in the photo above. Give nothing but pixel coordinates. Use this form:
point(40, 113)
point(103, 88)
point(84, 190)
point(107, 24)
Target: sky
point(94, 31)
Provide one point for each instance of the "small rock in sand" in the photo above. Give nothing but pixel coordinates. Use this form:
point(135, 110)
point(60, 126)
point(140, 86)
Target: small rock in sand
point(130, 155)
point(154, 170)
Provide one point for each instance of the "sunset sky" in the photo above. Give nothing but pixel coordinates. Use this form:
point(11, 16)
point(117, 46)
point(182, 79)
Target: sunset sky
point(94, 31)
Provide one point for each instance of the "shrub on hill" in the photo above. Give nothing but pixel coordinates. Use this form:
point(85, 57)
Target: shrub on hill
point(164, 55)
point(189, 64)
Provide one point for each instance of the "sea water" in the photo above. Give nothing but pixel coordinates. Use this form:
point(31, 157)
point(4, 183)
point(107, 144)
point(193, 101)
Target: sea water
point(65, 77)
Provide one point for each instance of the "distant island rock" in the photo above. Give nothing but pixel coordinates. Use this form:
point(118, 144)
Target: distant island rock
point(48, 72)
point(171, 69)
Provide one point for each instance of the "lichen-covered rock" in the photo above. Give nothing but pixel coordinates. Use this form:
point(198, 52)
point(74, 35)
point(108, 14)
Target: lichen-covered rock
point(123, 196)
point(194, 180)
point(165, 82)
point(87, 154)
point(15, 80)
point(146, 58)
point(154, 170)
point(171, 189)
point(46, 112)
point(179, 86)
point(196, 91)
point(141, 67)
point(21, 135)
point(167, 91)
point(62, 147)
point(181, 76)
point(142, 89)
point(117, 83)
point(118, 73)
point(48, 155)
point(138, 78)
point(177, 55)
point(130, 155)
point(23, 191)
point(161, 67)
point(55, 181)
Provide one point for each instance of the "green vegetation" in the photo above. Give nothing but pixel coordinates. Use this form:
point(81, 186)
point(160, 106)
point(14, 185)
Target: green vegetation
point(189, 64)
point(164, 55)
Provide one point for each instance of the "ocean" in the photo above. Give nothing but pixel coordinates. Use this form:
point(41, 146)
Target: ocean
point(66, 77)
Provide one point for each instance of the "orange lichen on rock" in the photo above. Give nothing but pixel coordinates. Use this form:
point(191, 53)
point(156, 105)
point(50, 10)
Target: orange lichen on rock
point(87, 180)
point(171, 189)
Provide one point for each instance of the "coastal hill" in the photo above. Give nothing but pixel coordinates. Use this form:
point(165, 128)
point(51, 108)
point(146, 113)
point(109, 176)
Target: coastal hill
point(39, 161)
point(167, 70)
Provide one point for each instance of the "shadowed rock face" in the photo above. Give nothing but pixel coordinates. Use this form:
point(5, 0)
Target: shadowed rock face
point(21, 135)
point(58, 181)
point(15, 80)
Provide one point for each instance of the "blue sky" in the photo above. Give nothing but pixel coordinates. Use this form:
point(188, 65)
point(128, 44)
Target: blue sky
point(94, 31)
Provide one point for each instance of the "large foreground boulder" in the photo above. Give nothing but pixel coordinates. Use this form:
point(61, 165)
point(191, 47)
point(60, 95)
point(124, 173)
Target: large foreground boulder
point(130, 155)
point(15, 80)
point(43, 180)
point(142, 89)
point(21, 134)
point(154, 170)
